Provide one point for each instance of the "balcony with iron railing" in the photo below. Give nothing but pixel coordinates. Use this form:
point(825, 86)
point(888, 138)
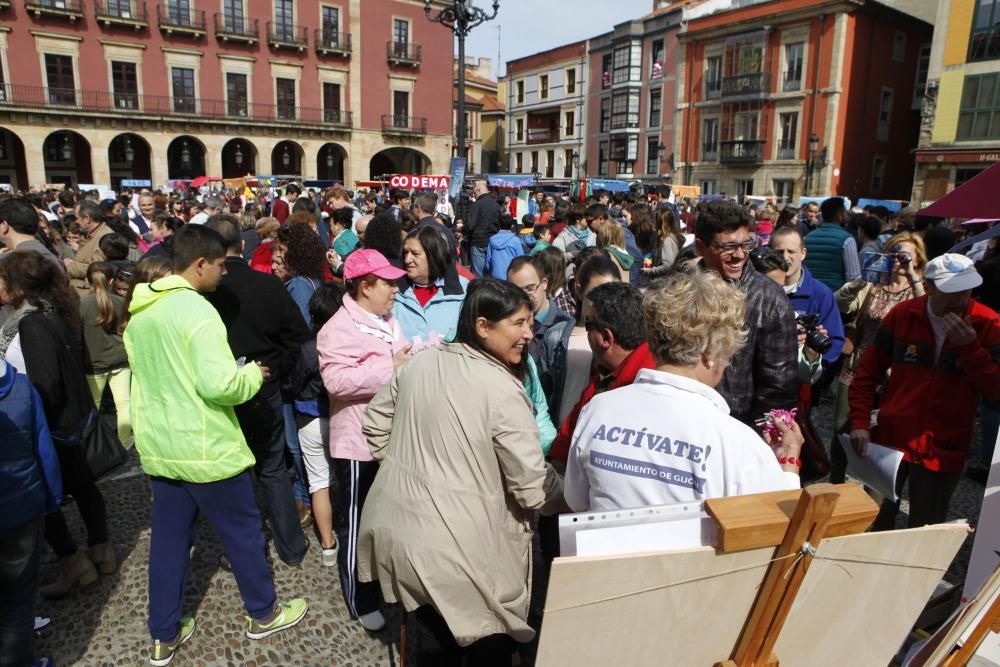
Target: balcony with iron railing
point(130, 13)
point(68, 9)
point(401, 124)
point(232, 28)
point(403, 53)
point(331, 42)
point(287, 36)
point(175, 19)
point(98, 101)
point(756, 85)
point(786, 150)
point(543, 135)
point(742, 151)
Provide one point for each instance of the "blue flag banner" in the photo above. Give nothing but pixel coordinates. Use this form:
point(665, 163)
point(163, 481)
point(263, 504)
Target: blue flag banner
point(458, 166)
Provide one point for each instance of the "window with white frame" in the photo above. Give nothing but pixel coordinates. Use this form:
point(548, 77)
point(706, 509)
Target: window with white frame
point(519, 92)
point(519, 129)
point(605, 114)
point(625, 109)
point(570, 118)
point(602, 158)
point(656, 58)
point(923, 66)
point(543, 86)
point(709, 188)
point(713, 78)
point(710, 140)
point(744, 187)
point(568, 163)
point(878, 173)
point(788, 124)
point(652, 156)
point(885, 106)
point(182, 82)
point(534, 162)
point(571, 81)
point(519, 163)
point(237, 94)
point(784, 190)
point(794, 55)
point(655, 107)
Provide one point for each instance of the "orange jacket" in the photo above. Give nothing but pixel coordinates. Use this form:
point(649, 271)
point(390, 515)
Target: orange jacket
point(928, 409)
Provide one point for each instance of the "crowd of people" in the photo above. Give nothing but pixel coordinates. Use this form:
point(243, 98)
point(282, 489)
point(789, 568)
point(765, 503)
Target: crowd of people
point(419, 388)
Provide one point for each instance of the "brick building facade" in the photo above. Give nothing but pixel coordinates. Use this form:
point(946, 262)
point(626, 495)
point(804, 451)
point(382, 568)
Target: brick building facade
point(97, 91)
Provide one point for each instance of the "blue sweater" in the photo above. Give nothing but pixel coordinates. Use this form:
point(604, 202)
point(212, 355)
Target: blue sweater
point(30, 482)
point(812, 296)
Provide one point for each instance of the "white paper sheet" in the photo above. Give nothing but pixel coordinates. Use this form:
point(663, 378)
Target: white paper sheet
point(877, 469)
point(667, 536)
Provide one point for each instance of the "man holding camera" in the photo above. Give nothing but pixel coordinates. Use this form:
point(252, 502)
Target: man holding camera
point(808, 295)
point(941, 352)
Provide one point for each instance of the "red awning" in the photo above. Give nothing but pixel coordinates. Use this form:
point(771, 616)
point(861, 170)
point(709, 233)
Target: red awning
point(976, 198)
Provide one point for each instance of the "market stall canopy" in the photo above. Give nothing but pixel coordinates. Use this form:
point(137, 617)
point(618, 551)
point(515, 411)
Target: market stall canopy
point(990, 233)
point(976, 198)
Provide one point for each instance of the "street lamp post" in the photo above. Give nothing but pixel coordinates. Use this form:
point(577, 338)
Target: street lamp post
point(811, 162)
point(460, 16)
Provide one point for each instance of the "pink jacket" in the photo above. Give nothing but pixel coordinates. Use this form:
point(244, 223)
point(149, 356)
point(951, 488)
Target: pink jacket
point(355, 360)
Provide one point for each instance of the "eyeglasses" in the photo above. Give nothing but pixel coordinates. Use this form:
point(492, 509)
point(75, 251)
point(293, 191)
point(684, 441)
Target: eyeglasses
point(530, 289)
point(732, 247)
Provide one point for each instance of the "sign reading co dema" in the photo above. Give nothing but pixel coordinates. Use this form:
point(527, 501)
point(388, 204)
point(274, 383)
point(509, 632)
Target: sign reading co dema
point(420, 182)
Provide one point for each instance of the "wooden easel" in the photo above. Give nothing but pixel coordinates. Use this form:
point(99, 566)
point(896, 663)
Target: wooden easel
point(745, 522)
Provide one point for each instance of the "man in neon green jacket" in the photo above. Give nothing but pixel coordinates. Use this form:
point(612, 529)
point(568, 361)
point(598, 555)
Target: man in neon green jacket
point(185, 383)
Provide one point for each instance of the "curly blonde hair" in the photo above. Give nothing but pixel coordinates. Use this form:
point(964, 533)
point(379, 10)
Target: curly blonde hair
point(694, 314)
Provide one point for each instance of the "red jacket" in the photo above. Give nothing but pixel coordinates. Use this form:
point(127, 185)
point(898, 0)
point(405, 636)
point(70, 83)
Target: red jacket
point(623, 376)
point(928, 410)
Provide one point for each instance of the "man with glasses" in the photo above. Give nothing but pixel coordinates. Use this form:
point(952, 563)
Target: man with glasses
point(762, 376)
point(552, 329)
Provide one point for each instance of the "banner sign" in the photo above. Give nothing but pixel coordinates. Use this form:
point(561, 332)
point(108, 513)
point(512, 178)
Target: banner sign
point(510, 181)
point(408, 182)
point(458, 167)
point(137, 183)
point(609, 185)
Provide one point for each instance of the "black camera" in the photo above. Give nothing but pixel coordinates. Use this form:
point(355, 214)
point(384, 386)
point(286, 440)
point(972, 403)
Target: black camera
point(815, 339)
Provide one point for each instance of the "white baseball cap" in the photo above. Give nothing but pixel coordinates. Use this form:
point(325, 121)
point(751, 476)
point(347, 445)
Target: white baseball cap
point(952, 273)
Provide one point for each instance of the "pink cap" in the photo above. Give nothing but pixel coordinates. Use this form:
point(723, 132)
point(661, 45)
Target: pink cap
point(362, 262)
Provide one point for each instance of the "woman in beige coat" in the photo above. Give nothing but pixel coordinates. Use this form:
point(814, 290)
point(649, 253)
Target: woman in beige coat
point(446, 528)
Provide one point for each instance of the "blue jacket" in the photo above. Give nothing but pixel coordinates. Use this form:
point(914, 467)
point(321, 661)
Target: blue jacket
point(438, 319)
point(503, 248)
point(812, 296)
point(30, 482)
point(549, 349)
point(635, 272)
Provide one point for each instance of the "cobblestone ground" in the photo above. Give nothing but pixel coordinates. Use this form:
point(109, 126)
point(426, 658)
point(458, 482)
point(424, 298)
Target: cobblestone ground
point(106, 623)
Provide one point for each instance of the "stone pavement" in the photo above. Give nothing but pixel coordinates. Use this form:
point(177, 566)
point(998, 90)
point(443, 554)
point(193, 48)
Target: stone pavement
point(106, 623)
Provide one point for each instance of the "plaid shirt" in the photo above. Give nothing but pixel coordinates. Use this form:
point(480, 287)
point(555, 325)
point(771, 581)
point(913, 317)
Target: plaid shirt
point(762, 376)
point(564, 300)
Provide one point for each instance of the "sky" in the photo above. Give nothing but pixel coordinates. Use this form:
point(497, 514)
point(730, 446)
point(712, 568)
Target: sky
point(530, 26)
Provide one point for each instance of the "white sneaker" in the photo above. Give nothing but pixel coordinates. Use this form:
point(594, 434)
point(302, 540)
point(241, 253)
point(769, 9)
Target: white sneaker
point(373, 621)
point(330, 556)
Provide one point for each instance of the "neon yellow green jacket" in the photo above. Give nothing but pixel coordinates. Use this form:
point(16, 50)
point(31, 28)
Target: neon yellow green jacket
point(184, 385)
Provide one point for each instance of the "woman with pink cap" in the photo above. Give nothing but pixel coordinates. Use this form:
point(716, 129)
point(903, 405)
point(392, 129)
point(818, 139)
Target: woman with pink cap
point(359, 349)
